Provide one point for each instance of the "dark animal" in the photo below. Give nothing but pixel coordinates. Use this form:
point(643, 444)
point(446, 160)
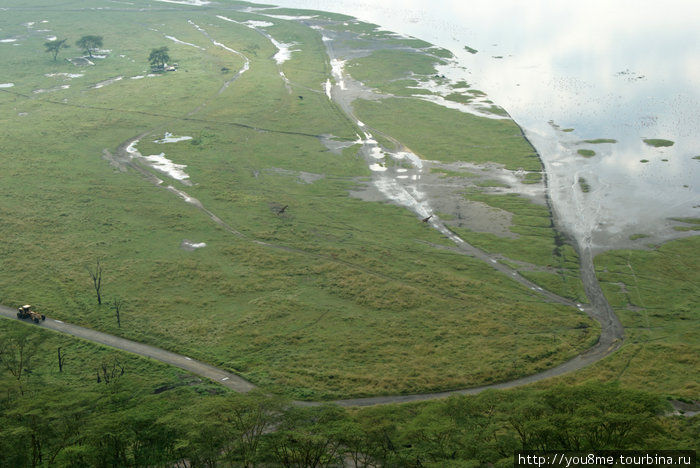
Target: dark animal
point(425, 220)
point(282, 210)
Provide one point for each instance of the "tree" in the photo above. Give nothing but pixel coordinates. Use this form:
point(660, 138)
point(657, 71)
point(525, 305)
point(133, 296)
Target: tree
point(16, 352)
point(61, 359)
point(96, 276)
point(54, 47)
point(89, 43)
point(159, 57)
point(117, 305)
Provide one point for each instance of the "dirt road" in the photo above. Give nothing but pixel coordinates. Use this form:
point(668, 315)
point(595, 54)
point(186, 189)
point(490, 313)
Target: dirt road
point(225, 378)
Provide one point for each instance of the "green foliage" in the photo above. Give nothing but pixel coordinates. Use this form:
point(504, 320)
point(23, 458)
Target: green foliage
point(584, 185)
point(55, 46)
point(586, 153)
point(159, 57)
point(598, 141)
point(89, 43)
point(436, 133)
point(658, 142)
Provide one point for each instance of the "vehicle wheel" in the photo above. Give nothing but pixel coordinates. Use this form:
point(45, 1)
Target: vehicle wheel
point(19, 316)
point(36, 320)
point(43, 317)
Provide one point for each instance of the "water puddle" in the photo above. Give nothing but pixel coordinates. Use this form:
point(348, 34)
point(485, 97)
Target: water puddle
point(51, 90)
point(108, 82)
point(67, 76)
point(169, 138)
point(190, 245)
point(160, 163)
point(178, 41)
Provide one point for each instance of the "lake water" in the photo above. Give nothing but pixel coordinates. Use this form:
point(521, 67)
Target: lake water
point(623, 70)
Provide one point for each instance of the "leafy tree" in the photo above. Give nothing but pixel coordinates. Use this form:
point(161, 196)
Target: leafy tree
point(308, 437)
point(159, 57)
point(89, 43)
point(54, 47)
point(17, 349)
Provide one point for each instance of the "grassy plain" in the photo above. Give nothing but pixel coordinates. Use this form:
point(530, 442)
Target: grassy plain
point(346, 299)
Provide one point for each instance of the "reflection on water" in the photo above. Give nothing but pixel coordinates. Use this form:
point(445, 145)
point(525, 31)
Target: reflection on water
point(569, 72)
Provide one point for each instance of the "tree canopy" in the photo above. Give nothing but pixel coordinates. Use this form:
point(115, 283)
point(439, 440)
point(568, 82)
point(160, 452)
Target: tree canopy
point(89, 43)
point(159, 57)
point(54, 47)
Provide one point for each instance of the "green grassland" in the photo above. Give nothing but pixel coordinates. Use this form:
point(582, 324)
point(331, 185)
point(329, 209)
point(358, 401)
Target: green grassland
point(347, 298)
point(655, 294)
point(342, 311)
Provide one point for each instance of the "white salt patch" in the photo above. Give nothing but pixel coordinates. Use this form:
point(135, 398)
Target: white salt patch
point(169, 138)
point(401, 170)
point(284, 52)
point(166, 166)
point(466, 108)
point(337, 71)
point(360, 123)
point(326, 38)
point(376, 153)
point(8, 40)
point(193, 245)
point(174, 39)
point(6, 85)
point(137, 77)
point(377, 168)
point(65, 75)
point(327, 88)
point(258, 24)
point(51, 38)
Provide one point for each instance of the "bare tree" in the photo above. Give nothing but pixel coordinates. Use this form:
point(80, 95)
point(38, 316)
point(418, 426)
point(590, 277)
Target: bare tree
point(109, 370)
point(117, 305)
point(96, 276)
point(61, 359)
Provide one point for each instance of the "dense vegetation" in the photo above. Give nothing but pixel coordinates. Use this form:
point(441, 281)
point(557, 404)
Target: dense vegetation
point(107, 409)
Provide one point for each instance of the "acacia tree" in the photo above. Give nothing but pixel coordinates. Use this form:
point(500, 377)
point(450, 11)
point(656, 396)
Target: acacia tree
point(89, 43)
point(159, 57)
point(54, 47)
point(17, 349)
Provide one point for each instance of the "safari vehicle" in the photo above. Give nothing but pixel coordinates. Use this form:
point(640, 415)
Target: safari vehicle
point(26, 311)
